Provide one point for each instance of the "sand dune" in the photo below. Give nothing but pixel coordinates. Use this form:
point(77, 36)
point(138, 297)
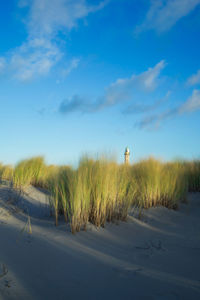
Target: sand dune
point(155, 257)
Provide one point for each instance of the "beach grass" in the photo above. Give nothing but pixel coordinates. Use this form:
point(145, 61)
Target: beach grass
point(6, 172)
point(100, 190)
point(159, 183)
point(193, 173)
point(29, 171)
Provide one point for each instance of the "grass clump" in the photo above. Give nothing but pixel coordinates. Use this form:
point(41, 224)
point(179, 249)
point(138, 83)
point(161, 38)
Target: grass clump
point(159, 183)
point(29, 171)
point(174, 184)
point(98, 191)
point(6, 172)
point(193, 174)
point(59, 185)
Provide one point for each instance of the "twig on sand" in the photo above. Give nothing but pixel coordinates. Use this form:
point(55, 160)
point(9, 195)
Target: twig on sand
point(27, 226)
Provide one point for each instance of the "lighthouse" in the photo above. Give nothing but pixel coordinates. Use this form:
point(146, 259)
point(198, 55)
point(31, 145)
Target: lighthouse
point(126, 155)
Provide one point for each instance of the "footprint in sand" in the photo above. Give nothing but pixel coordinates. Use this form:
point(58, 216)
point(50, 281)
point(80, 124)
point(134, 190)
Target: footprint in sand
point(151, 247)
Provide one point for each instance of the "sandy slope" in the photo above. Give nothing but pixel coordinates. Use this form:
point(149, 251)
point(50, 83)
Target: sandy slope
point(157, 257)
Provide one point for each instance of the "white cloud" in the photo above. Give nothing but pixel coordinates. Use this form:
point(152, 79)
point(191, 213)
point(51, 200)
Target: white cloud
point(163, 14)
point(194, 79)
point(123, 89)
point(41, 51)
point(34, 58)
point(192, 103)
point(48, 17)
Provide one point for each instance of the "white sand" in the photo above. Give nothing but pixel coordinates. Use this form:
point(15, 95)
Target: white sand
point(157, 257)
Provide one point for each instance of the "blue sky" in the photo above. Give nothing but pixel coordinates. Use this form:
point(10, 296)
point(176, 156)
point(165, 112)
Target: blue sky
point(96, 76)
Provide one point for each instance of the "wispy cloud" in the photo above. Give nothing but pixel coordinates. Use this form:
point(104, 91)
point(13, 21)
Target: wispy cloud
point(123, 89)
point(192, 104)
point(154, 121)
point(138, 108)
point(120, 91)
point(45, 19)
point(2, 64)
point(72, 65)
point(164, 14)
point(194, 79)
point(34, 58)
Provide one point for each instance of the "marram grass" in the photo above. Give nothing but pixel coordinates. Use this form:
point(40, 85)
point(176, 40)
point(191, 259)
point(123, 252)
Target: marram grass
point(30, 171)
point(101, 190)
point(33, 171)
point(6, 172)
point(98, 191)
point(159, 183)
point(193, 174)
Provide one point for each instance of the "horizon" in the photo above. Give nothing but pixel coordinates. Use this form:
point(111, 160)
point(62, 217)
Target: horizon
point(96, 76)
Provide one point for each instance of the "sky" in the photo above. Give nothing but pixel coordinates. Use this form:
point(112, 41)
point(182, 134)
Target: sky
point(94, 76)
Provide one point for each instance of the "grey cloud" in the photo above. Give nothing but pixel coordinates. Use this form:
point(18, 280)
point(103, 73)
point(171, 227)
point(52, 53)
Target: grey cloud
point(120, 91)
point(78, 104)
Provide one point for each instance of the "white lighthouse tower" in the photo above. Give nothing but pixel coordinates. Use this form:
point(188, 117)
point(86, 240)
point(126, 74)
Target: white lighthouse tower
point(126, 155)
